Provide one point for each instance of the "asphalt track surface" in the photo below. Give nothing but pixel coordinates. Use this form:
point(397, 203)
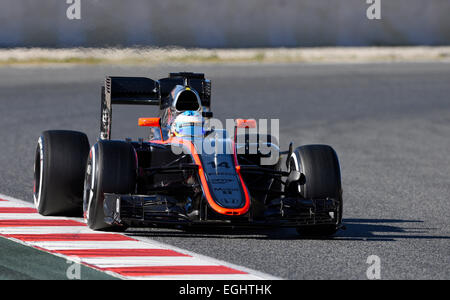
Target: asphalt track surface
point(389, 123)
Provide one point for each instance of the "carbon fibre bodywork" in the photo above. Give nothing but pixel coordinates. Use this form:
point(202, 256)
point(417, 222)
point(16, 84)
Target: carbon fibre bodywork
point(180, 182)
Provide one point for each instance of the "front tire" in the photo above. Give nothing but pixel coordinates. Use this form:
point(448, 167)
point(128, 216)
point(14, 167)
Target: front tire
point(320, 165)
point(59, 173)
point(111, 168)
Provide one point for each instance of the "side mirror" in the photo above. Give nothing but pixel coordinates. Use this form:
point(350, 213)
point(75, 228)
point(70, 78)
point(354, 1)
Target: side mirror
point(149, 122)
point(245, 123)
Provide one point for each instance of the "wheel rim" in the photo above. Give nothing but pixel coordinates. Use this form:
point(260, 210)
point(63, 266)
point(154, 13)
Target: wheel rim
point(38, 173)
point(89, 184)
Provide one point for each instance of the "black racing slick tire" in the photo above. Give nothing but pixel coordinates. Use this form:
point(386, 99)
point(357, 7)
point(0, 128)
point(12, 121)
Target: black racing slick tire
point(59, 168)
point(111, 168)
point(320, 165)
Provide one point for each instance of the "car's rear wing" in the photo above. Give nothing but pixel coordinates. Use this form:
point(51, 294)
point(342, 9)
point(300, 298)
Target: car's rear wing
point(131, 90)
point(146, 91)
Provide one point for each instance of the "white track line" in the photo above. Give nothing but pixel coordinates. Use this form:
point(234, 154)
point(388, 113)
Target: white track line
point(10, 203)
point(83, 245)
point(109, 262)
point(190, 260)
point(27, 216)
point(15, 201)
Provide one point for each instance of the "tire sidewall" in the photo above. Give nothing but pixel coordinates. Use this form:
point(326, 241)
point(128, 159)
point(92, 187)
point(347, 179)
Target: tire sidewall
point(94, 204)
point(39, 190)
point(60, 159)
point(297, 161)
point(94, 200)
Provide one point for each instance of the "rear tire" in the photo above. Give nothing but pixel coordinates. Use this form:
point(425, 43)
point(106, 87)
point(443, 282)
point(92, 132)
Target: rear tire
point(59, 173)
point(320, 165)
point(111, 168)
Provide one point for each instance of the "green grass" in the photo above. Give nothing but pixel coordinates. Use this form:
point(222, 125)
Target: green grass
point(19, 262)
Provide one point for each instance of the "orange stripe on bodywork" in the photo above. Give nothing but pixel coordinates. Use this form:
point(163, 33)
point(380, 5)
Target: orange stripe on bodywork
point(204, 182)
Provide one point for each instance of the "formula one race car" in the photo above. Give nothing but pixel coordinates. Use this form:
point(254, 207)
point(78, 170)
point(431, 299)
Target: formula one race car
point(172, 180)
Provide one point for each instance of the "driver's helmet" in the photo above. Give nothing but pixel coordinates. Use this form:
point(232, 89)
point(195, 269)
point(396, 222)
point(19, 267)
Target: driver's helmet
point(188, 124)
